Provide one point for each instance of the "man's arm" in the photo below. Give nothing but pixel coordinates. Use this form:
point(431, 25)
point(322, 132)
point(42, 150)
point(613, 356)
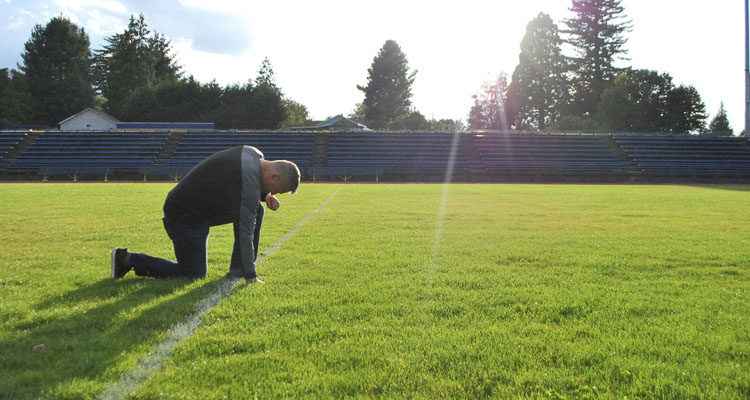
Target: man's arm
point(245, 236)
point(249, 199)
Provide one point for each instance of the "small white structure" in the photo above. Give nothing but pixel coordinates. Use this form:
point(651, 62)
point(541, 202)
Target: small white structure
point(89, 120)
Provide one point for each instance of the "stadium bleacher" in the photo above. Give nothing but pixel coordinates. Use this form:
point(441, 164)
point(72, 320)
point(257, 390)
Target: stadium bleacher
point(686, 154)
point(195, 146)
point(9, 140)
point(530, 153)
point(416, 156)
point(399, 153)
point(56, 152)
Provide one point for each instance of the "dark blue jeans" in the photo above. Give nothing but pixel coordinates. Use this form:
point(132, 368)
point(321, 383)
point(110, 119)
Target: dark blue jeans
point(190, 248)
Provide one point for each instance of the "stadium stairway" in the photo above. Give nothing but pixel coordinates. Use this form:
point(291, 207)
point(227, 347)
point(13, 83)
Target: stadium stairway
point(617, 150)
point(320, 149)
point(26, 141)
point(170, 146)
point(472, 151)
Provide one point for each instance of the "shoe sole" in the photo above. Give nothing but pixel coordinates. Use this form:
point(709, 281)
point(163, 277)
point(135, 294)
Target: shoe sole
point(113, 254)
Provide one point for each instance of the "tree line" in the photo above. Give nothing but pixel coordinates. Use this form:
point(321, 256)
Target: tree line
point(586, 92)
point(549, 90)
point(134, 77)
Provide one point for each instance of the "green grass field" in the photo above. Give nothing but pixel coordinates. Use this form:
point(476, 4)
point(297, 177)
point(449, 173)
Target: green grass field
point(499, 291)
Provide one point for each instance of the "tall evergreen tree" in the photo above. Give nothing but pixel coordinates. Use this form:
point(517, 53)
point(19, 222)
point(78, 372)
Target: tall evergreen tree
point(266, 76)
point(539, 86)
point(388, 89)
point(488, 111)
point(597, 33)
point(267, 109)
point(130, 60)
point(57, 65)
point(720, 123)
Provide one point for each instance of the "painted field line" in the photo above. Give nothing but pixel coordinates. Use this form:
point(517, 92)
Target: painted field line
point(151, 362)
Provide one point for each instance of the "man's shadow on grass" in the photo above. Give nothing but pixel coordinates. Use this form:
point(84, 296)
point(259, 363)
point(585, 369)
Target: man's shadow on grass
point(89, 330)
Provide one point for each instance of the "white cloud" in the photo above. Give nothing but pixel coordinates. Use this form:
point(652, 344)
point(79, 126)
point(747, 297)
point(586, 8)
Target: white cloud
point(102, 24)
point(205, 66)
point(15, 23)
point(112, 6)
point(26, 12)
point(234, 7)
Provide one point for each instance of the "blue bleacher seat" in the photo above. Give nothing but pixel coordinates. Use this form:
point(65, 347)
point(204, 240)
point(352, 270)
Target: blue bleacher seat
point(400, 153)
point(9, 140)
point(195, 146)
point(382, 154)
point(92, 151)
point(523, 153)
point(686, 154)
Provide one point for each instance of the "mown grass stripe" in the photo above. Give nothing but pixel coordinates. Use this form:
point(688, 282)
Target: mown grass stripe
point(133, 378)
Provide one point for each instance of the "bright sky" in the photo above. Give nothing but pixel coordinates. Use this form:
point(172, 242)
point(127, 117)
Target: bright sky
point(320, 50)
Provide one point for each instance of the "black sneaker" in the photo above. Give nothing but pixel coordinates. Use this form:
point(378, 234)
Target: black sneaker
point(118, 263)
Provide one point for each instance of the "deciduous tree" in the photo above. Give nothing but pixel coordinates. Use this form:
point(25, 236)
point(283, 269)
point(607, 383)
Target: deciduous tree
point(296, 113)
point(646, 101)
point(488, 111)
point(411, 121)
point(636, 102)
point(448, 125)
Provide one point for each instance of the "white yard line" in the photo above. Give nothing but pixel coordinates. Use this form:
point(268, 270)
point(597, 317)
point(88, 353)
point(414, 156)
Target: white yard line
point(151, 362)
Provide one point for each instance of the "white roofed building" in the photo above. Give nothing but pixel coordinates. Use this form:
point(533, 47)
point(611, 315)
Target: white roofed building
point(89, 120)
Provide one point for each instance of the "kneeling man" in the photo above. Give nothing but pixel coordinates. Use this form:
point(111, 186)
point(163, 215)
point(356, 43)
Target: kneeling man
point(227, 187)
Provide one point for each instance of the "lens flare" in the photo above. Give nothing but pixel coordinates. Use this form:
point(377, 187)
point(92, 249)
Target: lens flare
point(442, 207)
